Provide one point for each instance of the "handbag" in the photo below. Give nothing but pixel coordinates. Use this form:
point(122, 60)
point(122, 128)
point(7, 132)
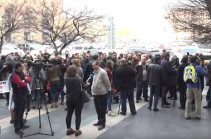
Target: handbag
point(85, 97)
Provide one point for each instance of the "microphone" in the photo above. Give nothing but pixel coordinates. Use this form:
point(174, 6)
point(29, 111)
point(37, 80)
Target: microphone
point(90, 77)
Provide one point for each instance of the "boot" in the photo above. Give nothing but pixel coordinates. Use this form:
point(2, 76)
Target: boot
point(52, 105)
point(70, 132)
point(56, 105)
point(78, 133)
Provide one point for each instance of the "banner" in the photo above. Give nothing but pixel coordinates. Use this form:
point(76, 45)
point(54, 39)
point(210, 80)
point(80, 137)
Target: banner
point(4, 86)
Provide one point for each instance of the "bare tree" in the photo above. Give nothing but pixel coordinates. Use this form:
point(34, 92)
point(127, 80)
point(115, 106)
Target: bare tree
point(66, 26)
point(193, 16)
point(12, 20)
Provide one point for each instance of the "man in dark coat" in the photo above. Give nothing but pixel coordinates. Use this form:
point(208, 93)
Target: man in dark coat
point(168, 72)
point(180, 82)
point(155, 77)
point(86, 65)
point(103, 61)
point(208, 97)
point(125, 81)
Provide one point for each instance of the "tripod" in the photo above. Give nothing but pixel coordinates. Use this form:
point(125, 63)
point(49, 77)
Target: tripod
point(39, 92)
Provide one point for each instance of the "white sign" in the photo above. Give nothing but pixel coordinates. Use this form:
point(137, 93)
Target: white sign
point(4, 86)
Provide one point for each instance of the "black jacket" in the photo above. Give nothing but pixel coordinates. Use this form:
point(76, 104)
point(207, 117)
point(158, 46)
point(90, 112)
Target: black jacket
point(155, 74)
point(168, 72)
point(180, 81)
point(73, 86)
point(86, 65)
point(63, 70)
point(103, 63)
point(6, 71)
point(125, 78)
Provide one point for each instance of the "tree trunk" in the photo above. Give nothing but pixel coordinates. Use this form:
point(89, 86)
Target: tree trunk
point(55, 48)
point(62, 48)
point(208, 3)
point(1, 43)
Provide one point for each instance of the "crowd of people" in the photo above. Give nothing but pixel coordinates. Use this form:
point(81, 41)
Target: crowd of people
point(104, 77)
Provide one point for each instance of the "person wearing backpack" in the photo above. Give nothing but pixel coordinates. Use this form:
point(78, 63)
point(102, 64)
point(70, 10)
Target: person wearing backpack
point(191, 73)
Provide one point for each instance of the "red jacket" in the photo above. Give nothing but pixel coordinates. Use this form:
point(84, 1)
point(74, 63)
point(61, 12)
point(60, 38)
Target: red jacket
point(19, 82)
point(109, 73)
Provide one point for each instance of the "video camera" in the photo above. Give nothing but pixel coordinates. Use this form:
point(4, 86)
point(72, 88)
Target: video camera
point(40, 64)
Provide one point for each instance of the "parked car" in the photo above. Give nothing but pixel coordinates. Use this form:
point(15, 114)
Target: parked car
point(42, 48)
point(11, 48)
point(29, 46)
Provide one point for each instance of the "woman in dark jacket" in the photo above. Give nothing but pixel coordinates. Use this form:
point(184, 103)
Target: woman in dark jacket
point(73, 100)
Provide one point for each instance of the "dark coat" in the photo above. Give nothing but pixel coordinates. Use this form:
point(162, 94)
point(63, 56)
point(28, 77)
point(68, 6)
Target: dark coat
point(173, 78)
point(103, 63)
point(73, 85)
point(114, 75)
point(155, 74)
point(6, 71)
point(86, 65)
point(125, 78)
point(209, 74)
point(180, 81)
point(168, 72)
point(54, 73)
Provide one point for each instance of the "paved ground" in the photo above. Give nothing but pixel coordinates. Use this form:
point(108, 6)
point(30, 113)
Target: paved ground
point(165, 124)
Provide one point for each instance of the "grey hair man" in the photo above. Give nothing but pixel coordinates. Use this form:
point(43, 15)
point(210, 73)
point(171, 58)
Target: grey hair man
point(100, 88)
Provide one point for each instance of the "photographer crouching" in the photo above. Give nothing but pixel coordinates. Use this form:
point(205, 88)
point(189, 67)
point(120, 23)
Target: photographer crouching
point(19, 82)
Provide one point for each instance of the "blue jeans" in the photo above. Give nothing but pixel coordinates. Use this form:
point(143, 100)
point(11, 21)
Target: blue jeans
point(36, 97)
point(61, 91)
point(109, 100)
point(124, 95)
point(154, 92)
point(54, 91)
point(142, 87)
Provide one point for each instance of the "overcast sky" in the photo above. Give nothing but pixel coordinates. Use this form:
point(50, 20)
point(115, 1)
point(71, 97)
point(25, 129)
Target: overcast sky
point(141, 16)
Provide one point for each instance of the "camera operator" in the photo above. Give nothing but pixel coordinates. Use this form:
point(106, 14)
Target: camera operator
point(19, 82)
point(2, 61)
point(54, 74)
point(28, 56)
point(38, 77)
point(6, 70)
point(38, 57)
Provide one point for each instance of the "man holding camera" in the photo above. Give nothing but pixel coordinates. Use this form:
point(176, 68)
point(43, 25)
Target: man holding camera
point(19, 82)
